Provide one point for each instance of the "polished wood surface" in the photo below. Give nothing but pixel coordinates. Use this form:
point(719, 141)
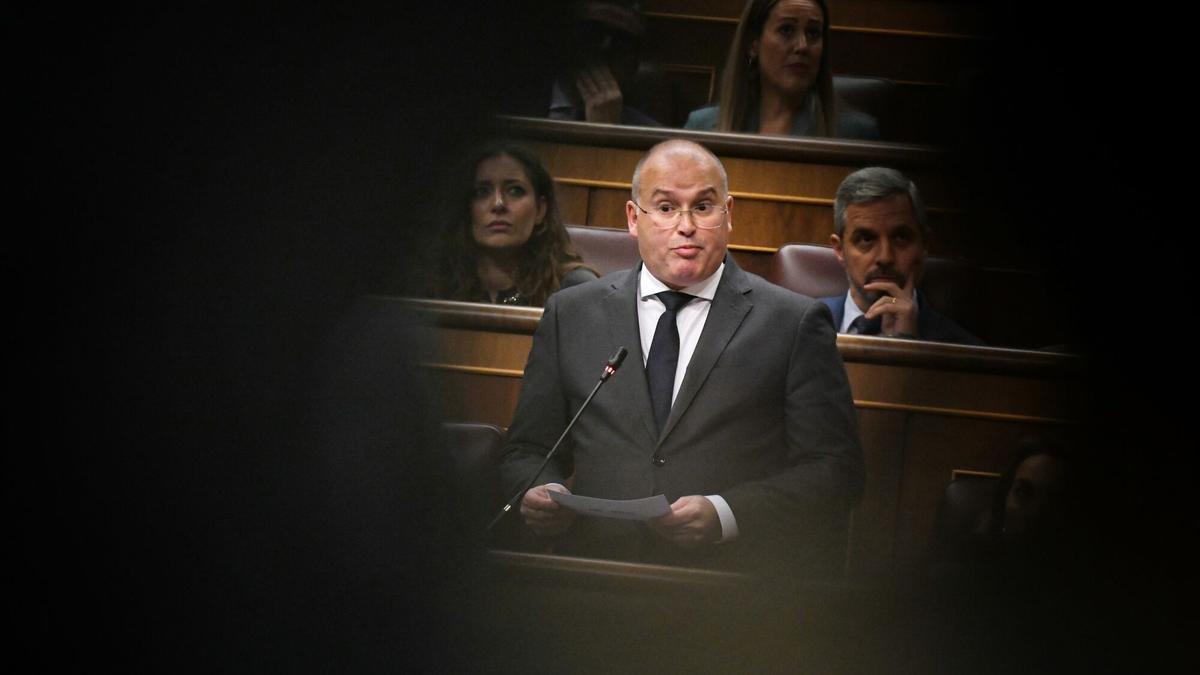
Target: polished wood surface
point(545, 613)
point(925, 410)
point(906, 156)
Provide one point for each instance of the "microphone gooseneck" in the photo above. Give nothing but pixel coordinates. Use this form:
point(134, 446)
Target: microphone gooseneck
point(609, 368)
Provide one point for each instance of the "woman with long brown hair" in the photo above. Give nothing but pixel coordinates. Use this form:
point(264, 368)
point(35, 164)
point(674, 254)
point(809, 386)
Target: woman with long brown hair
point(507, 243)
point(778, 78)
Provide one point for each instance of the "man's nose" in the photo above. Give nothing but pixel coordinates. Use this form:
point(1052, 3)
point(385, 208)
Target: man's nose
point(685, 222)
point(884, 254)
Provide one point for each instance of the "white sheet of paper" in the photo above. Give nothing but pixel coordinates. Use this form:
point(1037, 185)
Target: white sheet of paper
point(623, 509)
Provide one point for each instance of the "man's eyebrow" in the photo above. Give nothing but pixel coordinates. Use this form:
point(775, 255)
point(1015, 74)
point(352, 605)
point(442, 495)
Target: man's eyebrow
point(706, 192)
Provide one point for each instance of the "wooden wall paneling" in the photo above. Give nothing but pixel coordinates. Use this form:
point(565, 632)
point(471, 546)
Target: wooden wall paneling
point(941, 16)
point(934, 447)
point(873, 523)
point(922, 113)
point(938, 16)
point(569, 160)
point(477, 373)
point(682, 41)
point(777, 201)
point(756, 262)
point(763, 222)
point(727, 9)
point(819, 180)
point(606, 208)
point(1007, 293)
point(691, 87)
point(572, 203)
point(965, 394)
point(954, 235)
point(756, 222)
point(774, 177)
point(475, 397)
point(484, 349)
point(903, 58)
point(623, 617)
point(773, 224)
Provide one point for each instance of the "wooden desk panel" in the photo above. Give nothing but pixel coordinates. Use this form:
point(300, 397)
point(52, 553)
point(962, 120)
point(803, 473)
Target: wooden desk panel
point(546, 613)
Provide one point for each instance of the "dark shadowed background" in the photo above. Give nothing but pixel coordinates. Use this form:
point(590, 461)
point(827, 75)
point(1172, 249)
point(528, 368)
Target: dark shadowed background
point(209, 189)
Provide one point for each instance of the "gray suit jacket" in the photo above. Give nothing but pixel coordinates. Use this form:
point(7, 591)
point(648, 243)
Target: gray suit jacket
point(763, 418)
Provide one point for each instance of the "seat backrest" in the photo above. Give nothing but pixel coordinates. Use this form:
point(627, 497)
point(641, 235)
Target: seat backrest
point(809, 270)
point(964, 507)
point(604, 249)
point(875, 96)
point(475, 454)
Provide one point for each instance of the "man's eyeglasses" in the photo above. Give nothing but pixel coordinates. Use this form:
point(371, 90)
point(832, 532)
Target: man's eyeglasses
point(705, 214)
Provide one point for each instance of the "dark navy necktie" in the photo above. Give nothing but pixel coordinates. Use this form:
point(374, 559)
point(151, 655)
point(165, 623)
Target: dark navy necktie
point(861, 325)
point(664, 355)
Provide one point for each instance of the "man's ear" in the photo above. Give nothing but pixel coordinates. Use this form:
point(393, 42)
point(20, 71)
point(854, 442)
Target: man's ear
point(631, 214)
point(837, 248)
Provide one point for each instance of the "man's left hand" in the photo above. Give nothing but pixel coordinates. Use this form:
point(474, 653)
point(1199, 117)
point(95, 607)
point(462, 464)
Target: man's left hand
point(693, 521)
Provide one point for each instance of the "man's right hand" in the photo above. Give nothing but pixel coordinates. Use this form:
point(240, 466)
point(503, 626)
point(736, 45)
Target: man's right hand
point(543, 515)
point(602, 100)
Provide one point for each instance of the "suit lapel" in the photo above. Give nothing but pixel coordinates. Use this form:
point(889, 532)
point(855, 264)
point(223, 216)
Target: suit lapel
point(622, 309)
point(729, 307)
point(838, 307)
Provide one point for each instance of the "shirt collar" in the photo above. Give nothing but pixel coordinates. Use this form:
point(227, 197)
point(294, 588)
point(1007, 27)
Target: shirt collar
point(559, 99)
point(649, 285)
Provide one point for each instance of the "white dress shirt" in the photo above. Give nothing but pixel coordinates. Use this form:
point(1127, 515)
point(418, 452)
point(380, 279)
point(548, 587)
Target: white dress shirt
point(690, 320)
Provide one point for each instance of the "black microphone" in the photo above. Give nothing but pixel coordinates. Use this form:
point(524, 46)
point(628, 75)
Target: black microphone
point(609, 368)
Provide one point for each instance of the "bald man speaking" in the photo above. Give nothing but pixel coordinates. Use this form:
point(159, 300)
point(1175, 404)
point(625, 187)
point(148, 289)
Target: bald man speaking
point(733, 402)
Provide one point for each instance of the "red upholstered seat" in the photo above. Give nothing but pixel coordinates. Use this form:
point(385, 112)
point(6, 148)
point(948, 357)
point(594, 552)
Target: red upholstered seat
point(809, 270)
point(604, 249)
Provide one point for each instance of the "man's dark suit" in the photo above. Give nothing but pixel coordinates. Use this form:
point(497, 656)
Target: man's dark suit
point(930, 324)
point(763, 418)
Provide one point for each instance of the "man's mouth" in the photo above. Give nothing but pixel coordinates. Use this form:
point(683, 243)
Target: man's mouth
point(894, 278)
point(686, 251)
